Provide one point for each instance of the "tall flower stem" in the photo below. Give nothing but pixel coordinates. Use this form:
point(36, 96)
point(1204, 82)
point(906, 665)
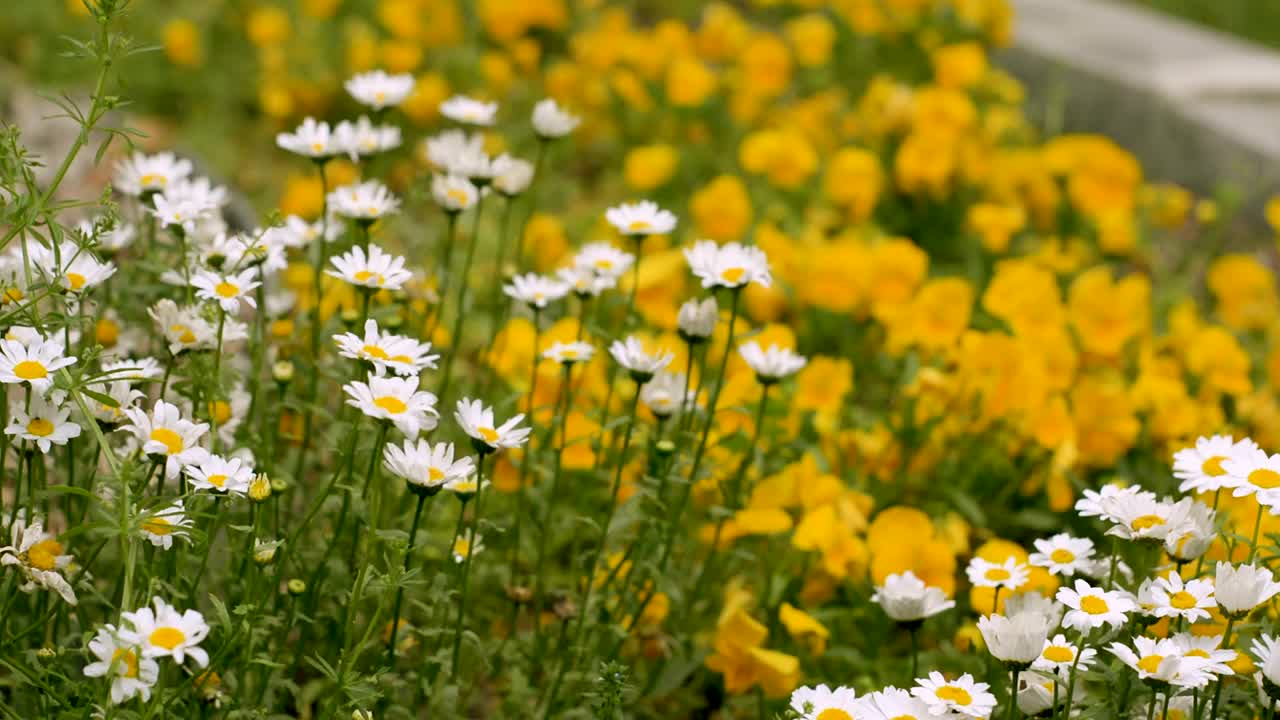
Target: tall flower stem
point(1217, 689)
point(422, 494)
point(217, 379)
point(446, 259)
point(317, 274)
point(1013, 694)
point(706, 432)
point(466, 568)
point(1071, 678)
point(455, 335)
point(1257, 527)
point(612, 510)
point(561, 411)
point(526, 461)
point(533, 201)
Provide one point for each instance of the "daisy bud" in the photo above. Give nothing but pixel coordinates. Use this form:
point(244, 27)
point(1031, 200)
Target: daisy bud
point(265, 553)
point(361, 715)
point(259, 488)
point(665, 448)
point(282, 371)
point(697, 320)
point(296, 586)
point(279, 485)
point(47, 653)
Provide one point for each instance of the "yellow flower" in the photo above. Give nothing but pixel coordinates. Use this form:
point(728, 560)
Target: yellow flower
point(811, 36)
point(267, 25)
point(423, 104)
point(996, 224)
point(689, 82)
point(1107, 314)
point(805, 628)
point(721, 209)
point(934, 319)
point(1245, 291)
point(765, 64)
point(182, 44)
point(903, 538)
point(854, 181)
point(959, 66)
point(786, 157)
point(545, 238)
point(1106, 426)
point(649, 166)
point(925, 163)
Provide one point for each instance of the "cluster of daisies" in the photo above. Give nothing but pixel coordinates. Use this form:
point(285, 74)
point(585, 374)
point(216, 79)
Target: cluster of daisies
point(1048, 643)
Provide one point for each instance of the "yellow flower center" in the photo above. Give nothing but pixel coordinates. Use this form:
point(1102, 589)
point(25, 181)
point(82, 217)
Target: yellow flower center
point(151, 179)
point(157, 526)
point(167, 637)
point(1146, 522)
point(220, 410)
point(1150, 663)
point(1094, 605)
point(30, 370)
point(488, 434)
point(317, 147)
point(380, 96)
point(374, 351)
point(1213, 466)
point(462, 547)
point(458, 196)
point(733, 275)
point(638, 225)
point(604, 264)
point(434, 474)
point(44, 554)
point(1197, 652)
point(226, 289)
point(170, 439)
point(998, 574)
point(217, 480)
point(76, 280)
point(834, 714)
point(569, 353)
point(40, 427)
point(369, 277)
point(400, 359)
point(1062, 556)
point(130, 660)
point(1182, 600)
point(957, 696)
point(904, 717)
point(1264, 478)
point(391, 404)
point(184, 333)
point(1058, 654)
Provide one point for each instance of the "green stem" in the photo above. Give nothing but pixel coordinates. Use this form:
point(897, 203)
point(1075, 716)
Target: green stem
point(408, 557)
point(466, 569)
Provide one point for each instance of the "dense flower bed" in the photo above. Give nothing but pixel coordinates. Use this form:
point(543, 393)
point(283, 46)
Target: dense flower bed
point(596, 361)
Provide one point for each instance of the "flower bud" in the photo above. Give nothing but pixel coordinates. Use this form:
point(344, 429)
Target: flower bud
point(265, 553)
point(282, 371)
point(279, 485)
point(697, 320)
point(259, 488)
point(296, 586)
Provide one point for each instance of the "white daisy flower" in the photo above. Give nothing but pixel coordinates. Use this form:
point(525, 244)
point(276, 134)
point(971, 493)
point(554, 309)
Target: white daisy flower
point(535, 290)
point(567, 353)
point(161, 526)
point(812, 703)
point(586, 283)
point(1174, 598)
point(603, 259)
point(394, 399)
point(199, 191)
point(226, 290)
point(141, 173)
point(511, 176)
point(42, 422)
point(38, 556)
point(642, 365)
point(771, 365)
point(1092, 607)
point(33, 363)
point(1062, 554)
point(1162, 660)
point(311, 139)
point(1264, 649)
point(1207, 648)
point(1143, 517)
point(1017, 640)
point(444, 150)
point(641, 219)
point(1059, 656)
point(1105, 502)
point(363, 202)
point(75, 268)
point(477, 421)
point(962, 695)
point(378, 89)
point(378, 270)
point(894, 703)
point(363, 138)
point(125, 397)
point(1031, 601)
point(1240, 589)
point(466, 487)
point(427, 468)
point(469, 111)
point(550, 121)
point(217, 474)
point(454, 193)
point(1009, 575)
point(164, 434)
point(466, 545)
point(475, 165)
point(299, 233)
point(662, 394)
point(1200, 468)
point(133, 370)
point(730, 265)
point(697, 320)
point(180, 212)
point(386, 351)
point(1193, 537)
point(905, 598)
point(165, 632)
point(183, 328)
point(131, 675)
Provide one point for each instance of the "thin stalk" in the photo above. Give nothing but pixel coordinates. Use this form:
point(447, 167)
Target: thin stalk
point(466, 569)
point(408, 558)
